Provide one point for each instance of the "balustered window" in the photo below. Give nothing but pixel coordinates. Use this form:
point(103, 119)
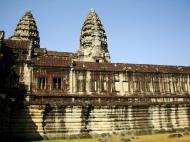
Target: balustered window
point(184, 83)
point(125, 83)
point(94, 81)
point(115, 82)
point(93, 85)
point(56, 83)
point(125, 77)
point(41, 82)
point(81, 82)
point(125, 86)
point(104, 82)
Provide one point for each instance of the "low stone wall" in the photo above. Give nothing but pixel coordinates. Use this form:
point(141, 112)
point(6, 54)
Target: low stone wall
point(50, 121)
point(5, 114)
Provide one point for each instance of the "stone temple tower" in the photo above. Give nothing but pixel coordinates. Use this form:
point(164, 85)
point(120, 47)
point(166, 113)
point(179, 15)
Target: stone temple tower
point(93, 40)
point(26, 29)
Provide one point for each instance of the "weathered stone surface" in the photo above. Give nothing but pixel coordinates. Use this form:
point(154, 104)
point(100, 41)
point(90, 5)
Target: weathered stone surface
point(59, 94)
point(93, 40)
point(58, 121)
point(26, 29)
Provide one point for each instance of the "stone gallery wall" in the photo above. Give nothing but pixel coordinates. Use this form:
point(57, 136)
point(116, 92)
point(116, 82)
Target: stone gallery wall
point(121, 83)
point(54, 94)
point(58, 121)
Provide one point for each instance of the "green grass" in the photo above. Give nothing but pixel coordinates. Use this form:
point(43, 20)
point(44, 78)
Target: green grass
point(144, 138)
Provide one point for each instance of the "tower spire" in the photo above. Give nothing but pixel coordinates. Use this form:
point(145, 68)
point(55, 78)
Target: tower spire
point(26, 29)
point(93, 40)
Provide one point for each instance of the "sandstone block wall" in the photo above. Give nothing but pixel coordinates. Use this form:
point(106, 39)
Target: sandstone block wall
point(58, 121)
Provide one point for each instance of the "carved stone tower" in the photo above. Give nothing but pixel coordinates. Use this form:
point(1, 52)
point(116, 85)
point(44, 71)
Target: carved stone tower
point(26, 29)
point(93, 40)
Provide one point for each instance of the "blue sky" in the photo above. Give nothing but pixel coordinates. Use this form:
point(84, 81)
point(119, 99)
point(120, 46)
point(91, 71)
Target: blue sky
point(138, 31)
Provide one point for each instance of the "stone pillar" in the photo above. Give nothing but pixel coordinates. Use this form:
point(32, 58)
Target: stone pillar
point(151, 84)
point(27, 77)
point(131, 85)
point(122, 93)
point(28, 69)
point(171, 85)
point(71, 81)
point(88, 80)
point(74, 84)
point(188, 86)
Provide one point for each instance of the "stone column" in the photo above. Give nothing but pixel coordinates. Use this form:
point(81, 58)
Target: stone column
point(188, 86)
point(27, 77)
point(171, 85)
point(121, 89)
point(88, 80)
point(151, 84)
point(72, 81)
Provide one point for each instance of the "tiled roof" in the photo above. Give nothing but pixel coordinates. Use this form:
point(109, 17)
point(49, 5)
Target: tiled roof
point(131, 67)
point(51, 61)
point(23, 44)
point(55, 53)
point(63, 59)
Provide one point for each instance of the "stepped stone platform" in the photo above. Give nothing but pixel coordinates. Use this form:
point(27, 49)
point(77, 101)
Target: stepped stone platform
point(131, 116)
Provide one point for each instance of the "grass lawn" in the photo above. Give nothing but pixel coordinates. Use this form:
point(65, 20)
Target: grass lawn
point(145, 138)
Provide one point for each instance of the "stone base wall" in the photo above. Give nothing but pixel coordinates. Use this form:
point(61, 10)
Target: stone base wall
point(5, 113)
point(58, 121)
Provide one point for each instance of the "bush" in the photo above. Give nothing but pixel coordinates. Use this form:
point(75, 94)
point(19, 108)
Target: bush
point(176, 135)
point(186, 132)
point(125, 140)
point(104, 140)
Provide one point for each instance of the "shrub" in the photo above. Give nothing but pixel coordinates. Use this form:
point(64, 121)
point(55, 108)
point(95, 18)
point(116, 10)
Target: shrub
point(125, 140)
point(176, 135)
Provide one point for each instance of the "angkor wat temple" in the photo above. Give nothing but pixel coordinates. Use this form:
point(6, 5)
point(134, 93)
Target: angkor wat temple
point(50, 94)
